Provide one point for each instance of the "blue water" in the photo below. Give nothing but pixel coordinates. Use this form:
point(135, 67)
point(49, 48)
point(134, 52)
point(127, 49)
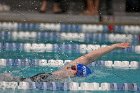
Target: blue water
point(100, 74)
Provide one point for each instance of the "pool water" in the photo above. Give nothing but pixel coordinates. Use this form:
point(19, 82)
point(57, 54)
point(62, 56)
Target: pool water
point(100, 74)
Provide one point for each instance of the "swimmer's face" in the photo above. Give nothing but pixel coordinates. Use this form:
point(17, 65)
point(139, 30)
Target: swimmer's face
point(72, 68)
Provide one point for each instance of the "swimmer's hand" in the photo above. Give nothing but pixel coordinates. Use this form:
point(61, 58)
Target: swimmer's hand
point(122, 45)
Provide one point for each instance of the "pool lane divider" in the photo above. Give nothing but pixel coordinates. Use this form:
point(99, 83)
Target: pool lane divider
point(64, 48)
point(58, 63)
point(71, 86)
point(68, 36)
point(14, 26)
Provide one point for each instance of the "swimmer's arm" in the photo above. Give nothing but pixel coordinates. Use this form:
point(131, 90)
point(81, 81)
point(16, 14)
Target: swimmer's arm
point(63, 73)
point(88, 58)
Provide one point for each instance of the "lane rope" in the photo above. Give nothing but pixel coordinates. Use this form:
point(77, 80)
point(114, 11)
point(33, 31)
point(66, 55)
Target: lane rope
point(94, 86)
point(58, 63)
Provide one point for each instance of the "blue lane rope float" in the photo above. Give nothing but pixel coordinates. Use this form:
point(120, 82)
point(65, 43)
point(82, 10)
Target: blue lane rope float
point(133, 29)
point(77, 37)
point(58, 63)
point(72, 48)
point(93, 86)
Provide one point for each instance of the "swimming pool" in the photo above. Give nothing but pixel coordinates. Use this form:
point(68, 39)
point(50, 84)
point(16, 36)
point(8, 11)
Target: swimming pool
point(30, 48)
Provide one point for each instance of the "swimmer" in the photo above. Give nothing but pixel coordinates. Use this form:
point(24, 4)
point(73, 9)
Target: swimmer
point(72, 69)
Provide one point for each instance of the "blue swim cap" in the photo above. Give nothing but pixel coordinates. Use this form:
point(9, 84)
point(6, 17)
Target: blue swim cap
point(82, 70)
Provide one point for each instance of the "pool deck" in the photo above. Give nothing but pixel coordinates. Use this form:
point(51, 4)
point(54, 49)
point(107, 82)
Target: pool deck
point(37, 17)
point(67, 18)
